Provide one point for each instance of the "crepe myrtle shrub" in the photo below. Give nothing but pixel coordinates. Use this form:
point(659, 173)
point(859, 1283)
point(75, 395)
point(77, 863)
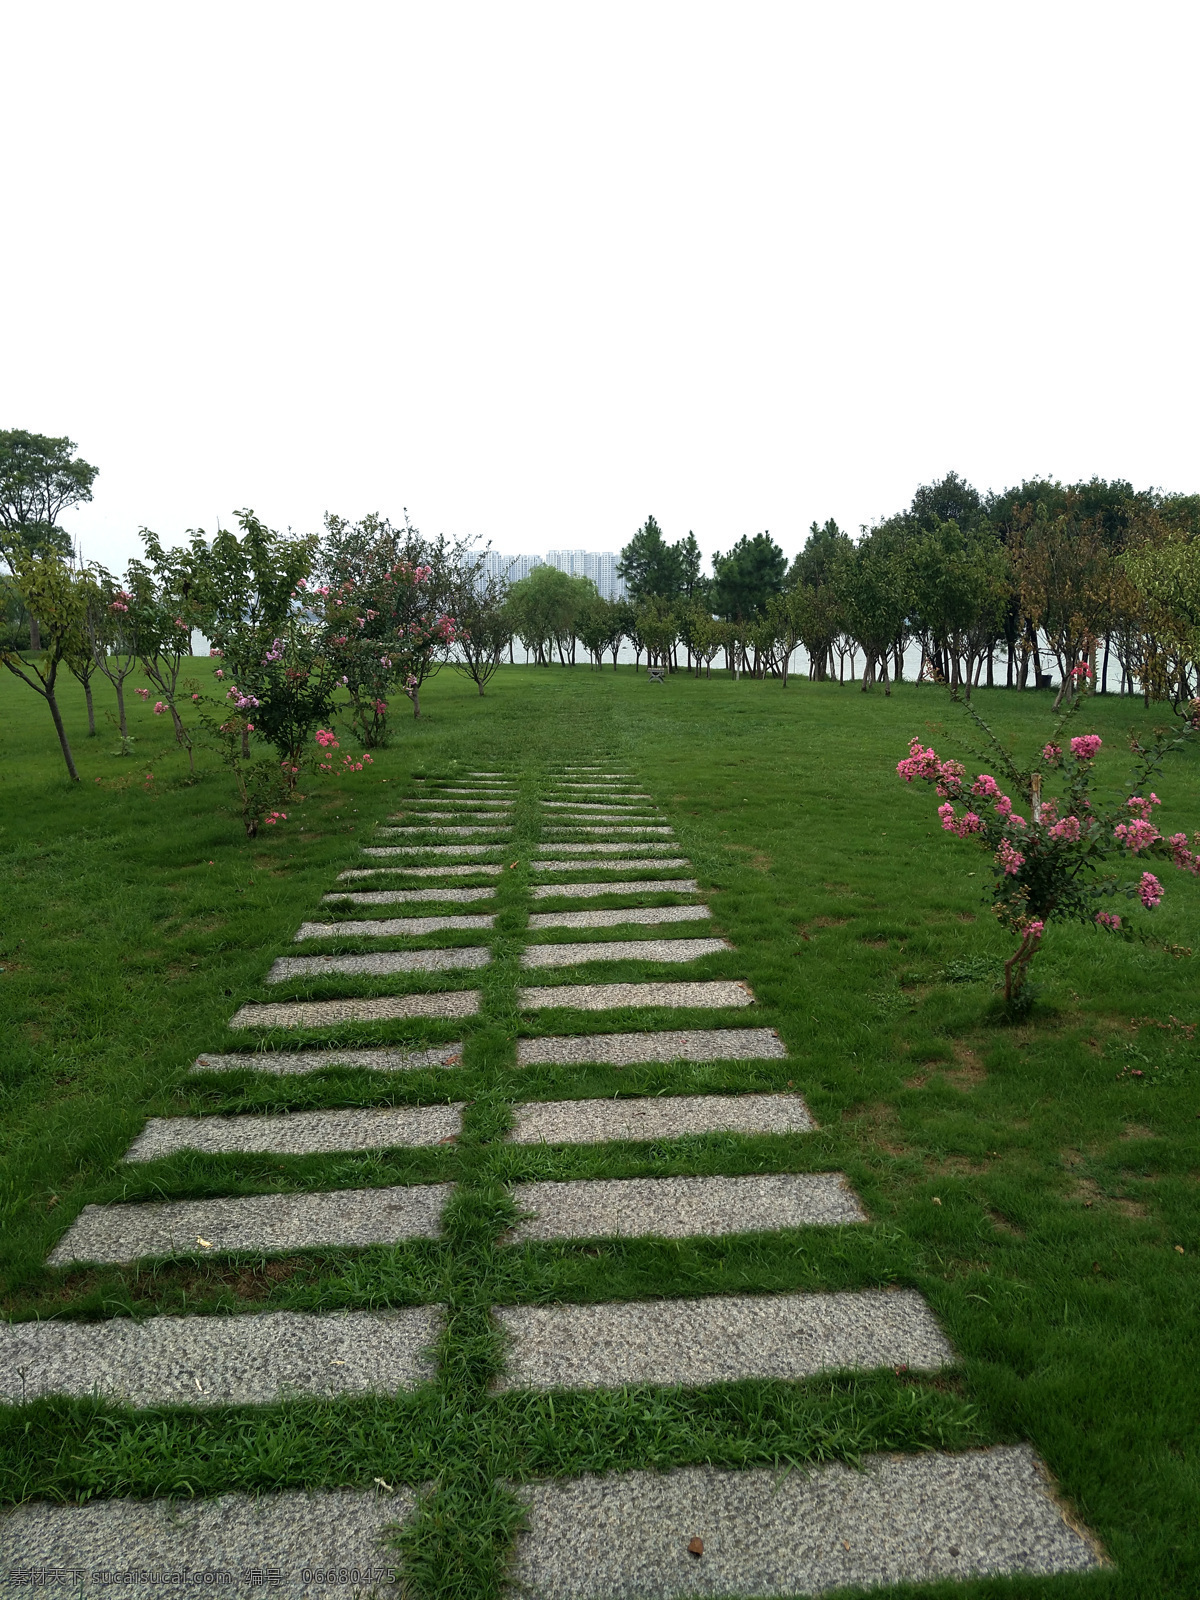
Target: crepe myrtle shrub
point(264, 784)
point(399, 591)
point(1062, 856)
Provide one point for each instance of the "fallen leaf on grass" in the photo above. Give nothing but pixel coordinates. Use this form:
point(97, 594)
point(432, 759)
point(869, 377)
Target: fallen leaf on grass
point(696, 1547)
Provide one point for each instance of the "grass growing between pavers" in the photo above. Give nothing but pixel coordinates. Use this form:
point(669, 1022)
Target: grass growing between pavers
point(1036, 1183)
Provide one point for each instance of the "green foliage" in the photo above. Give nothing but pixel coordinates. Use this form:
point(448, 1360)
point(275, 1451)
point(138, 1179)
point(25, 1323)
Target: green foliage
point(40, 478)
point(747, 577)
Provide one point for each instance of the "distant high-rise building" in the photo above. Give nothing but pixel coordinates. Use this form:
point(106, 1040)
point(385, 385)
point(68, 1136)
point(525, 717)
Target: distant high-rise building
point(599, 566)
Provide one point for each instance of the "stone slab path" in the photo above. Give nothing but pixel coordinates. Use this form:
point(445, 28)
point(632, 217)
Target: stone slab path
point(620, 1537)
point(295, 1544)
point(658, 1117)
point(682, 1208)
point(259, 1222)
point(630, 1049)
point(329, 1013)
point(611, 996)
point(914, 1519)
point(720, 1339)
point(298, 1133)
point(213, 1361)
point(282, 1063)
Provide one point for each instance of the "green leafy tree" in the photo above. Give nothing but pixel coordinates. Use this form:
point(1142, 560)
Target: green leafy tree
point(48, 589)
point(484, 626)
point(652, 568)
point(40, 478)
point(815, 597)
point(875, 587)
point(546, 608)
point(747, 577)
point(112, 636)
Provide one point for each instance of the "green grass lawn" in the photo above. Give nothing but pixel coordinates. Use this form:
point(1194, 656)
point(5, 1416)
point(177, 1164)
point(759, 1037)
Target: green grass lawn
point(1039, 1183)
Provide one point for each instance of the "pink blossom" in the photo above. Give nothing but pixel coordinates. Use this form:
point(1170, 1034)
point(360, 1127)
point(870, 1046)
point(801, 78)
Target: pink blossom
point(1003, 807)
point(1150, 891)
point(985, 786)
point(1051, 753)
point(919, 763)
point(145, 693)
point(326, 738)
point(159, 708)
point(1067, 831)
point(1081, 671)
point(1108, 919)
point(1035, 929)
point(301, 583)
point(1009, 859)
point(950, 775)
point(219, 673)
point(368, 759)
point(1137, 835)
point(1141, 807)
point(1086, 745)
point(1182, 856)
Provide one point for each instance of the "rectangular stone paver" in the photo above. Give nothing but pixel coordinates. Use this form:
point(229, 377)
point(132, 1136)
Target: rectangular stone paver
point(605, 831)
point(623, 864)
point(720, 1339)
point(617, 803)
point(903, 1519)
point(230, 1544)
point(629, 1049)
point(381, 850)
point(441, 832)
point(650, 915)
point(378, 963)
point(282, 1063)
point(394, 927)
point(683, 1208)
point(419, 813)
point(656, 1117)
point(718, 992)
point(268, 1222)
point(570, 955)
point(564, 849)
point(299, 1133)
point(401, 897)
point(213, 1361)
point(380, 1008)
point(468, 871)
point(582, 891)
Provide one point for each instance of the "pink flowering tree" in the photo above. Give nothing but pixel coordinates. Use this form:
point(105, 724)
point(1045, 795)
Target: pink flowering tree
point(398, 593)
point(1058, 856)
point(157, 617)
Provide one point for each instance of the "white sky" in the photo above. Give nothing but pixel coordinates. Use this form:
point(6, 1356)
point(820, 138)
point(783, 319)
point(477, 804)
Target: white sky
point(536, 270)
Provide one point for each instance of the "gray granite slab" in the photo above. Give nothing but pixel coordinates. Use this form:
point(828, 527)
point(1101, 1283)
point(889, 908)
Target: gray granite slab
point(380, 850)
point(628, 848)
point(649, 915)
point(378, 963)
point(442, 832)
point(620, 806)
point(381, 1008)
point(269, 1222)
point(212, 1361)
point(720, 1339)
point(282, 1063)
point(570, 955)
point(657, 1117)
point(394, 927)
point(602, 831)
point(628, 1049)
point(467, 871)
point(682, 1208)
point(299, 1133)
point(902, 1519)
point(624, 864)
point(718, 992)
point(292, 1546)
point(401, 897)
point(582, 891)
point(460, 814)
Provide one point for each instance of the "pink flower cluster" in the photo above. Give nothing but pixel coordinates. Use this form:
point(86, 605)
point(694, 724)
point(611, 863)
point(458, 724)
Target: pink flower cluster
point(1141, 807)
point(962, 826)
point(1009, 858)
point(1051, 753)
point(1068, 830)
point(985, 786)
point(272, 817)
point(1109, 920)
point(1183, 857)
point(275, 653)
point(1150, 891)
point(1084, 747)
point(327, 739)
point(241, 702)
point(924, 763)
point(159, 708)
point(121, 603)
point(1137, 835)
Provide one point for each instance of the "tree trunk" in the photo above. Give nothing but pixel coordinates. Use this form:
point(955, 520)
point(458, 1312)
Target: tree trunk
point(91, 710)
point(62, 733)
point(1104, 673)
point(121, 722)
point(35, 635)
